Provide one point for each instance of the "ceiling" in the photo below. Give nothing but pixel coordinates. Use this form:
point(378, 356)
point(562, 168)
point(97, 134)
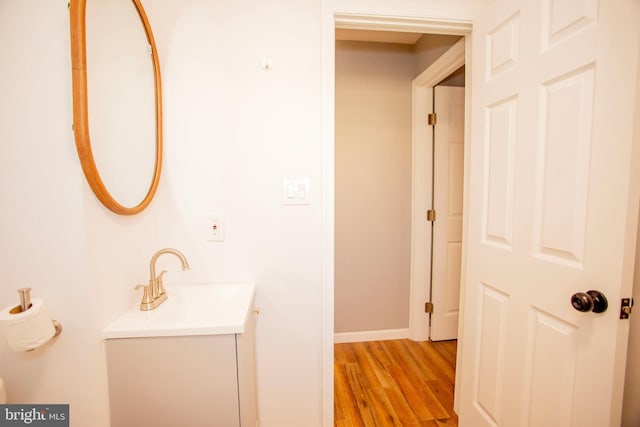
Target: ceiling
point(377, 36)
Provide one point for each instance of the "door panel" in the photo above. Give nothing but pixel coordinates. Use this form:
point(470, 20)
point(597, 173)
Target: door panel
point(550, 372)
point(490, 357)
point(551, 207)
point(564, 147)
point(500, 168)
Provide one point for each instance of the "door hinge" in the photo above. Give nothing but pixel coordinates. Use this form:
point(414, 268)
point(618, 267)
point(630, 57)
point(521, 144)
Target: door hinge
point(428, 307)
point(431, 215)
point(432, 119)
point(626, 307)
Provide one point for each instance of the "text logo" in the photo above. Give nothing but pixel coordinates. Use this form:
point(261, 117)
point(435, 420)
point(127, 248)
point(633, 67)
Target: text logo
point(34, 415)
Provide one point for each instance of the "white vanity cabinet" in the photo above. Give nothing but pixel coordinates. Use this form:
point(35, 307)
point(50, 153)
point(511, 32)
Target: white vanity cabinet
point(182, 380)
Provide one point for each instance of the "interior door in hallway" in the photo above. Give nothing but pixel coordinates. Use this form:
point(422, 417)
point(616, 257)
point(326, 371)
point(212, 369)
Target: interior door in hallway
point(552, 211)
point(448, 189)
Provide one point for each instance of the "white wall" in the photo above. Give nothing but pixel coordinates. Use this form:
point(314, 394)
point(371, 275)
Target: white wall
point(373, 185)
point(42, 220)
point(232, 131)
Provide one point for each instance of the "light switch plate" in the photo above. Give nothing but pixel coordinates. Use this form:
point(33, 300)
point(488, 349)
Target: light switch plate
point(295, 190)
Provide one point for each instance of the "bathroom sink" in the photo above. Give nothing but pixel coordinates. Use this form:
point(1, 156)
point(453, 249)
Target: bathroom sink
point(202, 309)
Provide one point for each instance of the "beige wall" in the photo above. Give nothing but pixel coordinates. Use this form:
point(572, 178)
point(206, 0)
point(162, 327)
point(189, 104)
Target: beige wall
point(430, 47)
point(373, 179)
point(455, 79)
point(373, 185)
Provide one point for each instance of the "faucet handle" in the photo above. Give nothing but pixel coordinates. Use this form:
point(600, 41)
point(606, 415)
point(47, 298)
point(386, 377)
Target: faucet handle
point(160, 284)
point(146, 294)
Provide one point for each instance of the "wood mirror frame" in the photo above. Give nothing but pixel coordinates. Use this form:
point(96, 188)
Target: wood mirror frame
point(77, 12)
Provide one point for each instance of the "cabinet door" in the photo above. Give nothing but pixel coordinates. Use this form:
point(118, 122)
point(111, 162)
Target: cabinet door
point(246, 374)
point(173, 381)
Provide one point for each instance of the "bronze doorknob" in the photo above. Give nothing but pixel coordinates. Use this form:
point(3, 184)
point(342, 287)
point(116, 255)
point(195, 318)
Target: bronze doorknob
point(590, 301)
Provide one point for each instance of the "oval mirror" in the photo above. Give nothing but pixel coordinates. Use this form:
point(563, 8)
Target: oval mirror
point(117, 92)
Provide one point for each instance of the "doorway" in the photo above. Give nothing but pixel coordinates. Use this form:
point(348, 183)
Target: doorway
point(396, 18)
point(370, 94)
point(384, 172)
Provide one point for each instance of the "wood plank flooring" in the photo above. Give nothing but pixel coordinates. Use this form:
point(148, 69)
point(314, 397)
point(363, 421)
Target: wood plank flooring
point(394, 383)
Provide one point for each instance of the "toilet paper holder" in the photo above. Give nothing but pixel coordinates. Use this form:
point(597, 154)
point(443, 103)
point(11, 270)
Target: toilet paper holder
point(25, 304)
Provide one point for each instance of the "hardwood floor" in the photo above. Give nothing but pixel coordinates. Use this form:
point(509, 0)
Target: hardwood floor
point(394, 383)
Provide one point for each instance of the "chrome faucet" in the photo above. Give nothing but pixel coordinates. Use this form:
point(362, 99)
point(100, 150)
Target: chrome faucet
point(154, 293)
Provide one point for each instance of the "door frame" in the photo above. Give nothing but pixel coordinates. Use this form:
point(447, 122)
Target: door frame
point(402, 15)
point(421, 165)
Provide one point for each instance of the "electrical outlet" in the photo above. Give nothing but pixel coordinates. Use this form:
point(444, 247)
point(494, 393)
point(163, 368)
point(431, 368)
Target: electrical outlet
point(215, 228)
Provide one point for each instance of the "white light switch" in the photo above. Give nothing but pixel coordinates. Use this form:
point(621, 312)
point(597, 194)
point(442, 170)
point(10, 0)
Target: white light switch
point(295, 190)
point(215, 228)
point(291, 191)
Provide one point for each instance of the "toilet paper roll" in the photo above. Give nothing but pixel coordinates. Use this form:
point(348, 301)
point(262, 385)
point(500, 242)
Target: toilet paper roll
point(29, 329)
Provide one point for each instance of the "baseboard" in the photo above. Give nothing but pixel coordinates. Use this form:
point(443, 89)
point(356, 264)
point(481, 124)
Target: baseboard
point(381, 335)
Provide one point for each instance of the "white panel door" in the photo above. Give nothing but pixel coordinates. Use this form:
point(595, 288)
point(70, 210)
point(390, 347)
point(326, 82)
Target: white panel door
point(447, 202)
point(552, 211)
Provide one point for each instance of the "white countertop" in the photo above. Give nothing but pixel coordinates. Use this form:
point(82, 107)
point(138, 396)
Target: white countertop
point(203, 309)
